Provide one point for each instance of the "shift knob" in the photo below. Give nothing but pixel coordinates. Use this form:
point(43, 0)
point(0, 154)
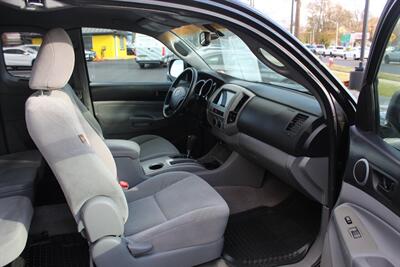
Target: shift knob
point(191, 141)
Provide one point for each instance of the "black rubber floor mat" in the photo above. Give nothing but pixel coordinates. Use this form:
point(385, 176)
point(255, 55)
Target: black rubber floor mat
point(272, 236)
point(70, 250)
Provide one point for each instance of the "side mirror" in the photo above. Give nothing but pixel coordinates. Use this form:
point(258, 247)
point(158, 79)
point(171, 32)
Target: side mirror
point(175, 68)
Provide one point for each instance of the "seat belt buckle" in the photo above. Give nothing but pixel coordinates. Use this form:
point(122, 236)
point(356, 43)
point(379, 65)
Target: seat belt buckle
point(124, 185)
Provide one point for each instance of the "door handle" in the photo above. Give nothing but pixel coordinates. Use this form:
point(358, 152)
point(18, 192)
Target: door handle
point(385, 185)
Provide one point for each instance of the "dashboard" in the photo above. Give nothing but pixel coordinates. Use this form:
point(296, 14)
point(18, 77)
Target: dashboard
point(293, 126)
point(281, 129)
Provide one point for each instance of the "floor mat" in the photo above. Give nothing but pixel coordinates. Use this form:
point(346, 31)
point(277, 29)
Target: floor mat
point(69, 250)
point(272, 236)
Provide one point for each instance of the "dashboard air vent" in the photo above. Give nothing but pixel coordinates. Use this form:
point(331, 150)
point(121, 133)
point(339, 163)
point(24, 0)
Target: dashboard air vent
point(296, 123)
point(241, 102)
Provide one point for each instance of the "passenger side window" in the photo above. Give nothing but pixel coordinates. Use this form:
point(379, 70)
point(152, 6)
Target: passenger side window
point(19, 52)
point(114, 56)
point(388, 88)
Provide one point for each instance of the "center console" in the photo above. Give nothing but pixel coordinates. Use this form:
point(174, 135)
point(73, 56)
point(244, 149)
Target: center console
point(223, 110)
point(224, 107)
point(133, 171)
point(171, 163)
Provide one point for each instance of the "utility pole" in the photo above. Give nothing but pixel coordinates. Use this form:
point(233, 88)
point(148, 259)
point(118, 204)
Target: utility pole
point(364, 34)
point(297, 19)
point(356, 76)
point(291, 17)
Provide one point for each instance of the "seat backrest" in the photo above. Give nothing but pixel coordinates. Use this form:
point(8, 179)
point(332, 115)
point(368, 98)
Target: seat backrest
point(84, 110)
point(76, 153)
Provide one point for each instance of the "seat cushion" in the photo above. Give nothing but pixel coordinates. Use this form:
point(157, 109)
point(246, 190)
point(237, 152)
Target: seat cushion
point(17, 181)
point(153, 146)
point(15, 219)
point(175, 210)
point(18, 172)
point(30, 158)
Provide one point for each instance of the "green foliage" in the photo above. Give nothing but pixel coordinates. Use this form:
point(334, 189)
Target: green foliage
point(324, 18)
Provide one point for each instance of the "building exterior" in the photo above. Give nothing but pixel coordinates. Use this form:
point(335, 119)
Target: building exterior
point(108, 44)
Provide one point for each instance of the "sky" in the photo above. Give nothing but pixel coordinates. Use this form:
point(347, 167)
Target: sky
point(279, 10)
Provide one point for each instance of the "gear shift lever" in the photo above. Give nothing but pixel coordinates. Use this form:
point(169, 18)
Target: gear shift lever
point(191, 140)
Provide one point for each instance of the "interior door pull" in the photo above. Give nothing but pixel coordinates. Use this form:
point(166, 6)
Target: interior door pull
point(142, 121)
point(387, 184)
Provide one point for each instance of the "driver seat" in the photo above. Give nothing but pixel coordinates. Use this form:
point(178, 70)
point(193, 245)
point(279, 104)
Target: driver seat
point(151, 146)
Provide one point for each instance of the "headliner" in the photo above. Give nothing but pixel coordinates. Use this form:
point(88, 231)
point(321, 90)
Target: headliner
point(149, 22)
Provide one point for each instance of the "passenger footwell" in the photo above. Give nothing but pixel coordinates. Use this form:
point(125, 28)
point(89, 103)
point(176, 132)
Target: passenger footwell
point(272, 236)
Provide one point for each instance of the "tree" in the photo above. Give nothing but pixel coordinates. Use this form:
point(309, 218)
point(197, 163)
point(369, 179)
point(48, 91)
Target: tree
point(325, 19)
point(316, 21)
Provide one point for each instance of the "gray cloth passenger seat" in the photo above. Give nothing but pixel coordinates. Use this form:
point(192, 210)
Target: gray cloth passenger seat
point(18, 173)
point(15, 219)
point(172, 219)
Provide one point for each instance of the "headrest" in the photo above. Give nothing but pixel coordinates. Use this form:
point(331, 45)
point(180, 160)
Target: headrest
point(54, 63)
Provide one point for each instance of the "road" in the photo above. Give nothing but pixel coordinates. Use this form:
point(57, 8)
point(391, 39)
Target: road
point(393, 68)
point(115, 71)
point(124, 71)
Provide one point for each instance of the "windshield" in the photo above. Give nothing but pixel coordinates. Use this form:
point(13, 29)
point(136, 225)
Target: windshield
point(228, 54)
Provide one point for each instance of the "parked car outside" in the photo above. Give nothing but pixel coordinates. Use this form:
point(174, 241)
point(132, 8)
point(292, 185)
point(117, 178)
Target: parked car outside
point(339, 51)
point(32, 46)
point(19, 56)
point(392, 56)
point(355, 53)
point(312, 48)
point(328, 51)
point(90, 55)
point(334, 51)
point(150, 51)
point(319, 49)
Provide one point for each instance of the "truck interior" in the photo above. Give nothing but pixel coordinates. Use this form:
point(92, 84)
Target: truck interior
point(209, 167)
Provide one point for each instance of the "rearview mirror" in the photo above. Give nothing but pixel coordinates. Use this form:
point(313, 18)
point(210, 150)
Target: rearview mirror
point(176, 67)
point(206, 38)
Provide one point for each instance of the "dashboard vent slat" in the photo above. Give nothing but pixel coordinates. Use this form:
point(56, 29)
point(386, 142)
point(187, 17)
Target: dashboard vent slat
point(241, 102)
point(296, 123)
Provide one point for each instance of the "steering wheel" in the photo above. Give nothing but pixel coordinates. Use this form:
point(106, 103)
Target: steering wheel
point(180, 92)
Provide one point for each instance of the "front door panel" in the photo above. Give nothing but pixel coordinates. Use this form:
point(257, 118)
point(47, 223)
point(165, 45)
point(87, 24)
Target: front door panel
point(127, 88)
point(127, 110)
point(364, 229)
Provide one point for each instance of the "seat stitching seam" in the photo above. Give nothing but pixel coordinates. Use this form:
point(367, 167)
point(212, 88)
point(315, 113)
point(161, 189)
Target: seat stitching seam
point(174, 183)
point(158, 205)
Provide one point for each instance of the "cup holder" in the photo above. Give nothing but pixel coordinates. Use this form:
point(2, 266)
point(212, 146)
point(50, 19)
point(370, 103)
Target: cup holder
point(156, 166)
